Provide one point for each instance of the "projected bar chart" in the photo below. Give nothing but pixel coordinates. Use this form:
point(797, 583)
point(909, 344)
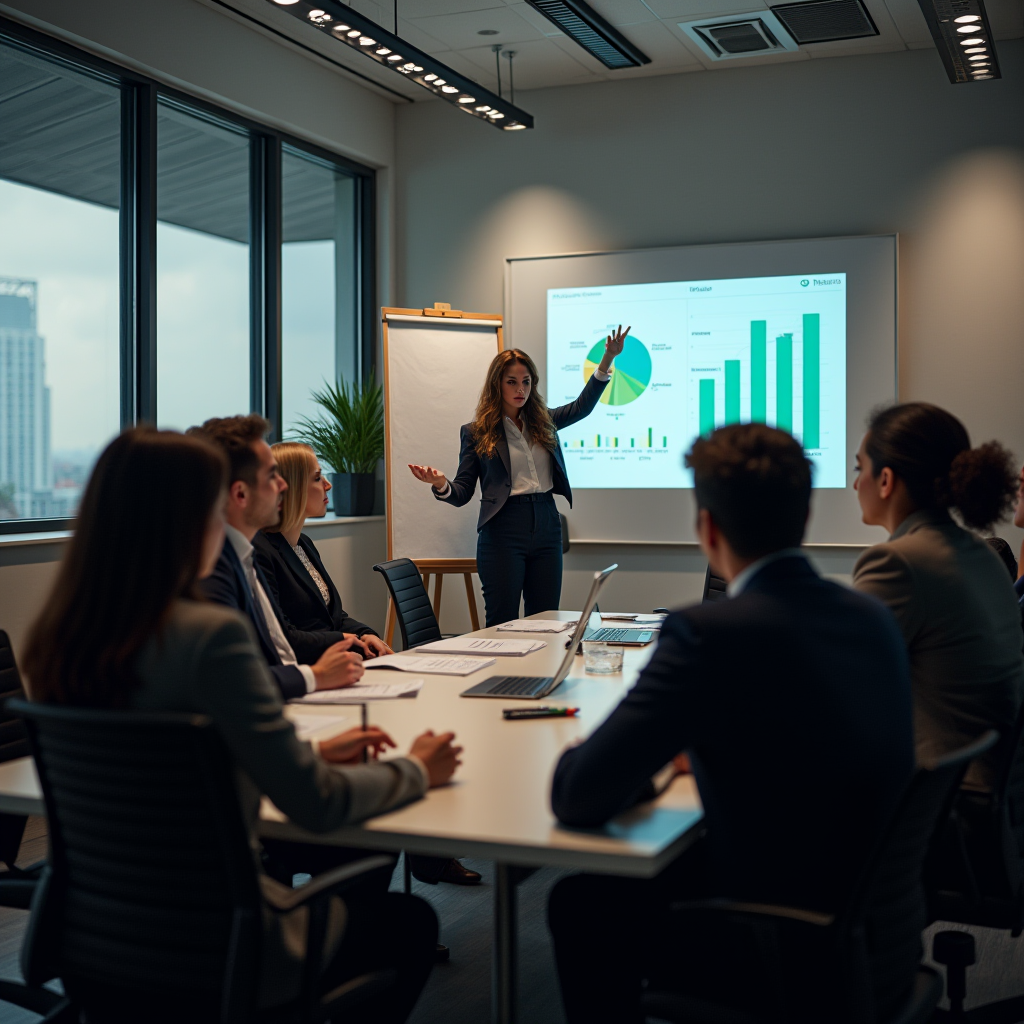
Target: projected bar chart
point(700, 355)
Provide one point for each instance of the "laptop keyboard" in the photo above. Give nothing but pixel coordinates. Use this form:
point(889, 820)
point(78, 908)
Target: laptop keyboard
point(514, 686)
point(609, 634)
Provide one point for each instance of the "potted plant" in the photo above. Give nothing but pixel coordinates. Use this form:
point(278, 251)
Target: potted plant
point(349, 437)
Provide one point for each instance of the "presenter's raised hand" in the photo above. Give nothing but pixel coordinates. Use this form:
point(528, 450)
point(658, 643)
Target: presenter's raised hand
point(613, 345)
point(429, 475)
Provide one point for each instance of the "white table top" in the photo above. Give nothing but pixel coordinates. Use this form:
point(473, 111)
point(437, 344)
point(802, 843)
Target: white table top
point(497, 807)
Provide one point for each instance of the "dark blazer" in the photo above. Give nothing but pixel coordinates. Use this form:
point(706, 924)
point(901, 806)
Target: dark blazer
point(495, 472)
point(793, 701)
point(228, 586)
point(311, 625)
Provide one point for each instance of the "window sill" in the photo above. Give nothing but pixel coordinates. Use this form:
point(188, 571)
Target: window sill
point(19, 540)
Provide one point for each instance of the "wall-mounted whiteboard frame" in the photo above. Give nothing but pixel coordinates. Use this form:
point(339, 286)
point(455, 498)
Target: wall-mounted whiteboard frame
point(434, 368)
point(668, 516)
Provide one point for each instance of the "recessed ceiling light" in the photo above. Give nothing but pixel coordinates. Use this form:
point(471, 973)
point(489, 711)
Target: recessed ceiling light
point(416, 67)
point(971, 42)
point(429, 78)
point(286, 3)
point(483, 108)
point(355, 32)
point(514, 126)
point(981, 78)
point(448, 88)
point(341, 28)
point(967, 28)
point(965, 19)
point(381, 50)
point(977, 49)
point(394, 58)
point(367, 41)
point(467, 99)
point(438, 81)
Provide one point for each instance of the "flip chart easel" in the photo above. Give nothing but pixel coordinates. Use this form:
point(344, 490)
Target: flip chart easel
point(435, 361)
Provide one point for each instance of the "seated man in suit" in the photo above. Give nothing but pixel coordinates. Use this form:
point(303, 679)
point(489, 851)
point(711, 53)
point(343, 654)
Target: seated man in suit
point(254, 501)
point(791, 700)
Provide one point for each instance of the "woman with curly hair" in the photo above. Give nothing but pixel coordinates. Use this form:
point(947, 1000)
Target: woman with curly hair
point(512, 448)
point(948, 590)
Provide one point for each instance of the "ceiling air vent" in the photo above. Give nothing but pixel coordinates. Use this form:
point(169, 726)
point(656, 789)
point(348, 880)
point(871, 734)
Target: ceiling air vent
point(825, 21)
point(740, 35)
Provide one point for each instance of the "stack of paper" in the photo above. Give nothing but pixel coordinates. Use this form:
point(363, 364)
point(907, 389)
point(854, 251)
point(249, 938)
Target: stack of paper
point(486, 646)
point(313, 724)
point(536, 626)
point(654, 619)
point(436, 664)
point(362, 692)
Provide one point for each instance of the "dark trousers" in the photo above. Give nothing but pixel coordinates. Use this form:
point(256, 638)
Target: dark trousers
point(519, 557)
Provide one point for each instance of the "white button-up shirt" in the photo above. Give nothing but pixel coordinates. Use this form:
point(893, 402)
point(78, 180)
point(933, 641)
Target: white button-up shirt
point(245, 552)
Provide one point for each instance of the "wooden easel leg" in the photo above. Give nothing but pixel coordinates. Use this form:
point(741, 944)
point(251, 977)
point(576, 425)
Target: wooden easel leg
point(438, 580)
point(389, 624)
point(474, 618)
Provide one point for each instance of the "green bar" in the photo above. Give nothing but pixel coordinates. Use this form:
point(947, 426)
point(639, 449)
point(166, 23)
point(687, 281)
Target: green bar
point(616, 442)
point(650, 437)
point(597, 441)
point(812, 380)
point(707, 406)
point(664, 442)
point(758, 371)
point(784, 382)
point(632, 442)
point(732, 391)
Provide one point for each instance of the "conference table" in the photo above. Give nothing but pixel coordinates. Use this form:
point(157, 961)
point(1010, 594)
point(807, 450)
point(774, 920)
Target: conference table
point(497, 806)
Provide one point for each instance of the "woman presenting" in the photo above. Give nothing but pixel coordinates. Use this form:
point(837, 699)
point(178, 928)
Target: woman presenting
point(512, 448)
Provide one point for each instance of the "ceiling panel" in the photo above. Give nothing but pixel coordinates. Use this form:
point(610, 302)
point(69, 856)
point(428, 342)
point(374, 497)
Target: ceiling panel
point(686, 10)
point(624, 12)
point(540, 61)
point(462, 31)
point(421, 39)
point(1006, 18)
point(909, 21)
point(887, 40)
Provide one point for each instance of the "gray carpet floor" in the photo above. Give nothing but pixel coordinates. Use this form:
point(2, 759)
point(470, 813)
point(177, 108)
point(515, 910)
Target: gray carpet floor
point(459, 992)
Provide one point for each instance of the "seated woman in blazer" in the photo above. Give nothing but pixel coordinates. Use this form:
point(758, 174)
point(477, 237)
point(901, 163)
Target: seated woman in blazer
point(949, 591)
point(304, 590)
point(124, 627)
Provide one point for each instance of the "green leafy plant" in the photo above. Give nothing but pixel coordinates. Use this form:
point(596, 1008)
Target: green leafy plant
point(350, 436)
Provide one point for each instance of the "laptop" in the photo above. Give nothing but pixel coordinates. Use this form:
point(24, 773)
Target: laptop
point(535, 687)
point(623, 636)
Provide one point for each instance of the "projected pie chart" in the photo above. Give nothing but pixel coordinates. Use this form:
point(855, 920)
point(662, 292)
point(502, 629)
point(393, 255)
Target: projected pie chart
point(632, 371)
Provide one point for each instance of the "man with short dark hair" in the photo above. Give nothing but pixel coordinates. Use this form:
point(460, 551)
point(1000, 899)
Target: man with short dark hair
point(791, 700)
point(253, 502)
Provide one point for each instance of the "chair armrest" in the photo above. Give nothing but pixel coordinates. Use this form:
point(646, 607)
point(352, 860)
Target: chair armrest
point(329, 882)
point(811, 917)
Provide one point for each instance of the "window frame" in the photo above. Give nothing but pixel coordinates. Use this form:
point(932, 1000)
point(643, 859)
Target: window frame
point(137, 239)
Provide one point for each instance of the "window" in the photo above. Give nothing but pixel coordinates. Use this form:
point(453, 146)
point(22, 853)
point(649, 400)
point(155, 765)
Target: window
point(319, 281)
point(59, 349)
point(202, 247)
point(160, 258)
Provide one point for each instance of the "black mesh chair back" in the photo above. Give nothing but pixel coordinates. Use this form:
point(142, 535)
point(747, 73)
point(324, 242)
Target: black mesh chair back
point(714, 587)
point(13, 744)
point(976, 873)
point(153, 899)
point(887, 911)
point(415, 616)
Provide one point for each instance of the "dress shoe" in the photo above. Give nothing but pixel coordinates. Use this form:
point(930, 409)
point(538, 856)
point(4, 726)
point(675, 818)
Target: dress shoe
point(442, 954)
point(456, 873)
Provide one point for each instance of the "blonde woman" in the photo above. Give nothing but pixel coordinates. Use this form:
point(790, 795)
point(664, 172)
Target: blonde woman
point(512, 448)
point(302, 587)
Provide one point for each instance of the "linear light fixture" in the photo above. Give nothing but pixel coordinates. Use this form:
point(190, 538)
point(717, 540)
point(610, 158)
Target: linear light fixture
point(963, 38)
point(584, 26)
point(350, 28)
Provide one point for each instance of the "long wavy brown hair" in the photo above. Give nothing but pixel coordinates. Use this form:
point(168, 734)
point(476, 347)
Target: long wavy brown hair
point(487, 423)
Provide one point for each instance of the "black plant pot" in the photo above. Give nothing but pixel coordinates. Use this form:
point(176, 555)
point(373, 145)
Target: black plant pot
point(353, 493)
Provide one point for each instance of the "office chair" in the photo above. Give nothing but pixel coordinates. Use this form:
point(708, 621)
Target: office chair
point(415, 616)
point(150, 907)
point(714, 587)
point(975, 876)
point(861, 962)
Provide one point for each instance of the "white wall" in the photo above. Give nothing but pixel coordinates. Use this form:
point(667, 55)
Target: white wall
point(845, 146)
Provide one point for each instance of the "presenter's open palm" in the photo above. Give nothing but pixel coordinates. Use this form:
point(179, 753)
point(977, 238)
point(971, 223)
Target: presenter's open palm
point(615, 341)
point(429, 475)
